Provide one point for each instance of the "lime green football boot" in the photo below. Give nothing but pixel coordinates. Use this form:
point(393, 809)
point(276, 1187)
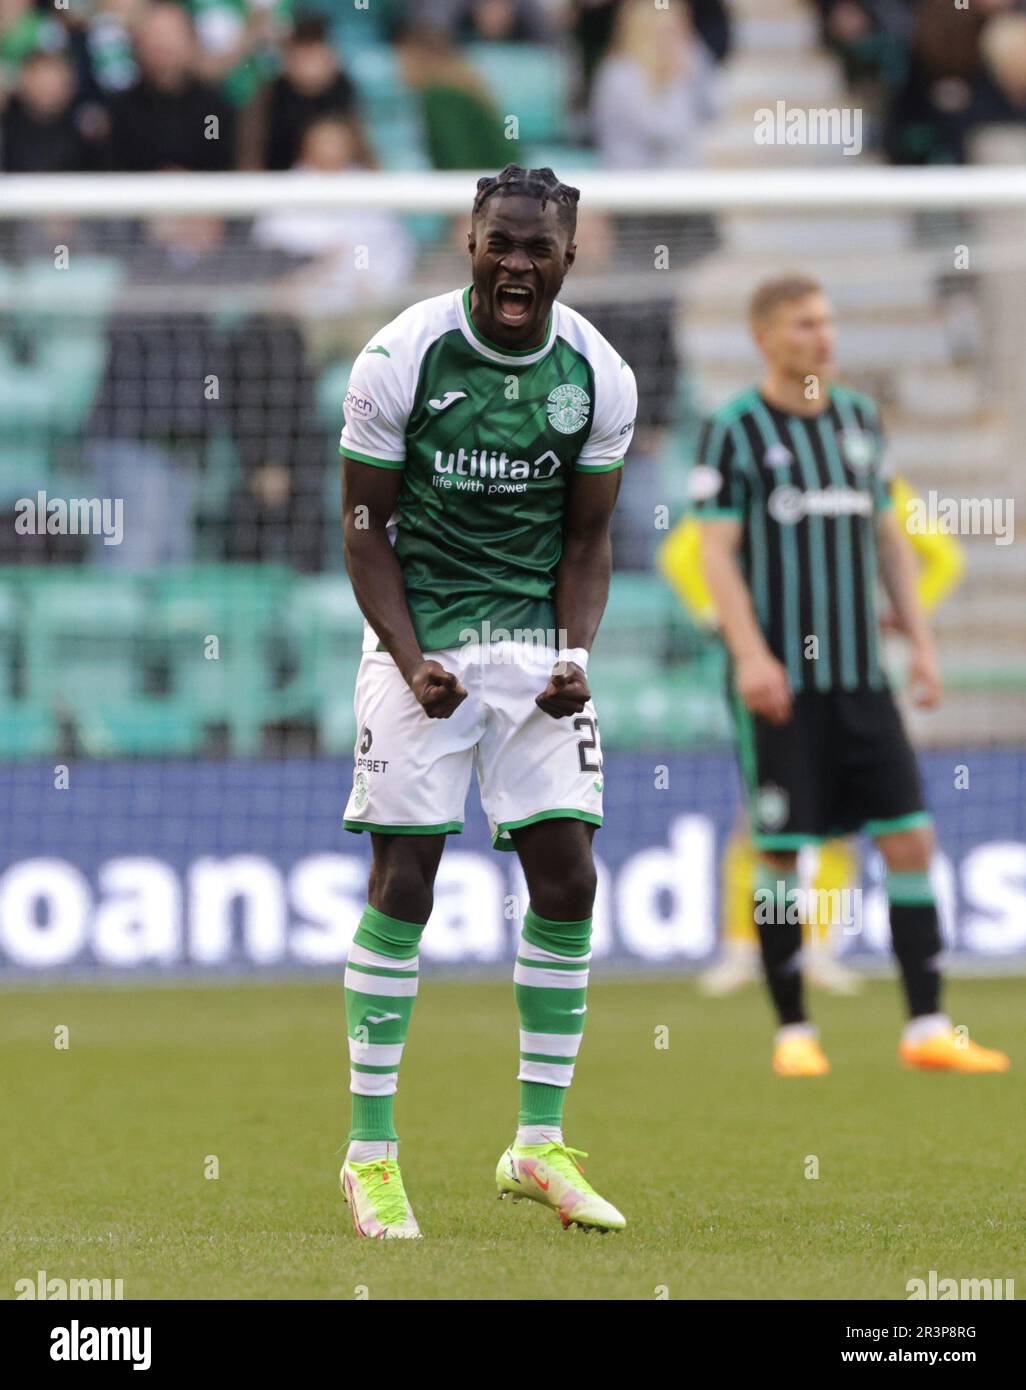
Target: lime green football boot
point(550, 1174)
point(378, 1201)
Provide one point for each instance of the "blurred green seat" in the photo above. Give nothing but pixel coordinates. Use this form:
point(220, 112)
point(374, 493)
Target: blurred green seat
point(398, 144)
point(62, 313)
point(215, 483)
point(10, 622)
point(75, 358)
point(86, 636)
point(526, 80)
point(139, 729)
point(375, 71)
point(330, 392)
point(223, 628)
point(25, 468)
point(87, 285)
point(639, 614)
point(26, 731)
point(564, 159)
point(328, 627)
point(668, 709)
point(358, 28)
point(391, 112)
point(27, 396)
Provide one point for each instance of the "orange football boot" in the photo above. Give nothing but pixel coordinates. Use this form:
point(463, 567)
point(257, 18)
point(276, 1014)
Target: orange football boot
point(799, 1056)
point(948, 1052)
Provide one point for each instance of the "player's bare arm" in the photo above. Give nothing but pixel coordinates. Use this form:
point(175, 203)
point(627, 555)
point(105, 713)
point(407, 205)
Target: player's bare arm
point(582, 584)
point(898, 575)
point(368, 499)
point(762, 680)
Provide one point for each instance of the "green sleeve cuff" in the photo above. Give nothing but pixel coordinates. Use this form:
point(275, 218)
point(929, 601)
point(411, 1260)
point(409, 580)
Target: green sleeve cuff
point(369, 458)
point(598, 467)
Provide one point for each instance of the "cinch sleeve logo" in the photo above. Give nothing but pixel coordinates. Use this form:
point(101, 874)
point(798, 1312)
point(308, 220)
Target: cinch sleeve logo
point(568, 407)
point(358, 405)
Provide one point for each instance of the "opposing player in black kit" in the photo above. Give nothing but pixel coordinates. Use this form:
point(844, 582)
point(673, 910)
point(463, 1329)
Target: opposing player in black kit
point(798, 529)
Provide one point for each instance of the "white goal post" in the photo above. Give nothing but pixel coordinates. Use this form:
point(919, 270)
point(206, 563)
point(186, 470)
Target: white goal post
point(111, 195)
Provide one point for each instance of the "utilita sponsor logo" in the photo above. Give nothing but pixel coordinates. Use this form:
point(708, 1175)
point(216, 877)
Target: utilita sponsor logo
point(490, 463)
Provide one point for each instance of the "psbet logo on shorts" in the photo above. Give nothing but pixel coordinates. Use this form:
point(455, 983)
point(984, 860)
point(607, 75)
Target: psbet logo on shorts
point(364, 765)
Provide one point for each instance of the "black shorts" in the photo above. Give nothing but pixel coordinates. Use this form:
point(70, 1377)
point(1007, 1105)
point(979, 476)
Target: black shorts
point(842, 763)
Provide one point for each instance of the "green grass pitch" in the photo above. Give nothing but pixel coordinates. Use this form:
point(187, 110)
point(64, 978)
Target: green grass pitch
point(700, 1145)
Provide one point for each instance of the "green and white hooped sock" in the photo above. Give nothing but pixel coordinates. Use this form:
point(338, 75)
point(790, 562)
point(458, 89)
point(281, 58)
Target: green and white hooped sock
point(550, 982)
point(381, 985)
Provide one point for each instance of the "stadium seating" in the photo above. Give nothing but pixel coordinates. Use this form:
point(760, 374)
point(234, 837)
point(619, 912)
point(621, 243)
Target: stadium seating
point(529, 81)
point(118, 664)
point(82, 637)
point(327, 625)
point(221, 628)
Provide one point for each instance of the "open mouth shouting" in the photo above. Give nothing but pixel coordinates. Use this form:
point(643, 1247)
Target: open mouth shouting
point(513, 303)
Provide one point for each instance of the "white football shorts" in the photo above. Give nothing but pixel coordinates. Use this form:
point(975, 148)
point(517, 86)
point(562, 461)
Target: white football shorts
point(412, 773)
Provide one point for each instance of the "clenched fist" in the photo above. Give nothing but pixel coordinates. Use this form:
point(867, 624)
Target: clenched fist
point(438, 690)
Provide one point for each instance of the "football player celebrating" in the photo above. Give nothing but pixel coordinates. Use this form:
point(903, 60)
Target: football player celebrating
point(485, 430)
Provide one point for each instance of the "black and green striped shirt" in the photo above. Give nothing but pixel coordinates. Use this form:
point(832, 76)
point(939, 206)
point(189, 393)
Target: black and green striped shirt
point(809, 490)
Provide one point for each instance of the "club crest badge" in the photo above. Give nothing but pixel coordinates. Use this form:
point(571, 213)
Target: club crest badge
point(772, 805)
point(568, 408)
point(859, 450)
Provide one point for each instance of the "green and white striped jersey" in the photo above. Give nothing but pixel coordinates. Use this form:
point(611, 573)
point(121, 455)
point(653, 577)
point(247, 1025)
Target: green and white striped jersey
point(486, 439)
point(809, 490)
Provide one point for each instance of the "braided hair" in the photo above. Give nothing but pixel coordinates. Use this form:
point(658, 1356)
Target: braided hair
point(531, 183)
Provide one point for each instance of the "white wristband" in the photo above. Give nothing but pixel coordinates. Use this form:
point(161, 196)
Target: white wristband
point(578, 655)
